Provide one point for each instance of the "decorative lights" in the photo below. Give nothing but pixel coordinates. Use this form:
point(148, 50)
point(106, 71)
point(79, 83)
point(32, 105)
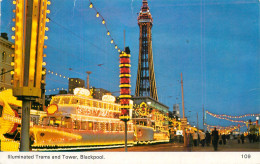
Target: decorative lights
point(103, 22)
point(125, 91)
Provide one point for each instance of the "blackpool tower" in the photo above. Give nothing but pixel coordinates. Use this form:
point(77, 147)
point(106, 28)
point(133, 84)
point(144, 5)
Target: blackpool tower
point(145, 83)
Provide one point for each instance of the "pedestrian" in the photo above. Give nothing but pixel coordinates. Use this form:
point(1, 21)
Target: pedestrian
point(242, 138)
point(224, 138)
point(238, 139)
point(220, 139)
point(215, 139)
point(208, 138)
point(195, 138)
point(202, 138)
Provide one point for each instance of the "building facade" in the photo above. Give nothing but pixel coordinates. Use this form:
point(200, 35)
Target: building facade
point(6, 52)
point(75, 83)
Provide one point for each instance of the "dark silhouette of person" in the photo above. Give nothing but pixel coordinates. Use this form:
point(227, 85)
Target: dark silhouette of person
point(215, 139)
point(224, 139)
point(208, 138)
point(242, 138)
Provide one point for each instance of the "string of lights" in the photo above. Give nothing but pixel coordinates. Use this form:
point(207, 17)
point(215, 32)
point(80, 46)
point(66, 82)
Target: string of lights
point(219, 117)
point(224, 115)
point(98, 15)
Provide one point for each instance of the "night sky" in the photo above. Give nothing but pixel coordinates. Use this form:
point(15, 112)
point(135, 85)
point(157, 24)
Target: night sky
point(214, 43)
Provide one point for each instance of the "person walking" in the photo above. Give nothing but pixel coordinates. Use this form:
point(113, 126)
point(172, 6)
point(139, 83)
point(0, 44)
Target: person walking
point(242, 138)
point(224, 138)
point(215, 139)
point(238, 139)
point(195, 138)
point(208, 138)
point(202, 138)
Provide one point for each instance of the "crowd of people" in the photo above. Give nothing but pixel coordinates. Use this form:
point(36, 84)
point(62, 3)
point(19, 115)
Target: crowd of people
point(215, 138)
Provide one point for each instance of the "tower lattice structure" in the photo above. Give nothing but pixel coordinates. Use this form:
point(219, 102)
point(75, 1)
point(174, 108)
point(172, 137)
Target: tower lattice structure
point(145, 83)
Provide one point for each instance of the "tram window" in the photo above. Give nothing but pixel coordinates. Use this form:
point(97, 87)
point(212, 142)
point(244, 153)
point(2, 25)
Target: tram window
point(83, 125)
point(95, 126)
point(67, 123)
point(102, 126)
point(74, 100)
point(87, 103)
point(105, 106)
point(94, 104)
point(65, 100)
point(81, 102)
point(55, 100)
point(100, 105)
point(90, 125)
point(45, 121)
point(107, 127)
point(76, 124)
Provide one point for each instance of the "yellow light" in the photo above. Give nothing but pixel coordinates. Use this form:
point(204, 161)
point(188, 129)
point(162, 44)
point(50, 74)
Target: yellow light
point(118, 50)
point(116, 47)
point(14, 2)
point(43, 72)
point(108, 33)
point(47, 20)
point(48, 11)
point(44, 46)
point(46, 28)
point(97, 15)
point(103, 21)
point(44, 63)
point(48, 2)
point(44, 55)
point(91, 5)
point(13, 37)
point(46, 37)
point(12, 63)
point(13, 10)
point(12, 72)
point(13, 19)
point(13, 28)
point(112, 41)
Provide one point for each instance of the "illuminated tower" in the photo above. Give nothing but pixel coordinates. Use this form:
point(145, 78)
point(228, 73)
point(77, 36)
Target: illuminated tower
point(145, 83)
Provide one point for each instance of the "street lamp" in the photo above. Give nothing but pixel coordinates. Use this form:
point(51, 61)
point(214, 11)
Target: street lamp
point(88, 72)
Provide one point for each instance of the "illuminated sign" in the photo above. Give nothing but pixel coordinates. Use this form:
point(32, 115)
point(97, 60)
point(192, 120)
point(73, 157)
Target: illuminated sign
point(81, 92)
point(96, 112)
point(52, 109)
point(108, 98)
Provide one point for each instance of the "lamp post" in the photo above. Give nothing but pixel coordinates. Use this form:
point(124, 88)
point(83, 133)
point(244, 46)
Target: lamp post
point(88, 72)
point(184, 122)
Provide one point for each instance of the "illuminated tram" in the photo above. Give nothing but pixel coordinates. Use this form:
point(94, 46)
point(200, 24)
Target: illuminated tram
point(79, 121)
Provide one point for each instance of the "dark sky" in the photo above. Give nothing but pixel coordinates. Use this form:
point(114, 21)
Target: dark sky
point(214, 43)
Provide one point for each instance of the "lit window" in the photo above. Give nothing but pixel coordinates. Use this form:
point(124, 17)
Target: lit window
point(2, 76)
point(3, 56)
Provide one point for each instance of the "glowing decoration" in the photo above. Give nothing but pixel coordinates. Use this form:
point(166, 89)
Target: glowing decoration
point(12, 63)
point(13, 37)
point(46, 28)
point(112, 41)
point(47, 19)
point(223, 115)
point(90, 5)
point(115, 46)
point(81, 92)
point(48, 2)
point(108, 98)
point(52, 109)
point(12, 72)
point(48, 11)
point(14, 2)
point(125, 85)
point(97, 15)
point(46, 37)
point(108, 33)
point(103, 21)
point(13, 28)
point(44, 63)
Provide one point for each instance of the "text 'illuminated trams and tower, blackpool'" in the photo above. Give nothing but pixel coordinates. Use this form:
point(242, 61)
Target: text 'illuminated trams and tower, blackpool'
point(145, 83)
